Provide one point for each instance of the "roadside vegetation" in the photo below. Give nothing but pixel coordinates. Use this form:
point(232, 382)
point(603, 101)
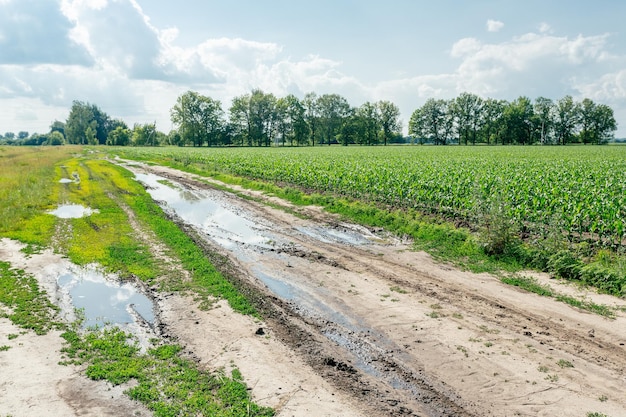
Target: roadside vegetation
point(167, 382)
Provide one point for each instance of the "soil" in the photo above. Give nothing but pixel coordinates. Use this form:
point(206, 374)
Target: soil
point(351, 328)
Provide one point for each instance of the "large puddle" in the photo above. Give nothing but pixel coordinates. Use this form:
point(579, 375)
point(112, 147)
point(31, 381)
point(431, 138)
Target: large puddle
point(72, 211)
point(223, 225)
point(103, 301)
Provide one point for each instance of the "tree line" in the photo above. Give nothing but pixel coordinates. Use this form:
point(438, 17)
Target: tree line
point(470, 119)
point(262, 119)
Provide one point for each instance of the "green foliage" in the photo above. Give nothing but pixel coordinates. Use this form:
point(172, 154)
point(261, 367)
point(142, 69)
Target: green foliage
point(27, 306)
point(167, 383)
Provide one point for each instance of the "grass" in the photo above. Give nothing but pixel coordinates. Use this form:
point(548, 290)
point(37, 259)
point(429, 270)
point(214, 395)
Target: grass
point(531, 284)
point(166, 382)
point(24, 303)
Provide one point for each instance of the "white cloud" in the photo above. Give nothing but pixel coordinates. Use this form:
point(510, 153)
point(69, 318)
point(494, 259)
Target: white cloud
point(545, 28)
point(26, 26)
point(494, 25)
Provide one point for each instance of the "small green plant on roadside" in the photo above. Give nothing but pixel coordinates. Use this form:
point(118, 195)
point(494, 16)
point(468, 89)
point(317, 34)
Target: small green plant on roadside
point(12, 336)
point(565, 363)
point(397, 289)
point(603, 398)
point(434, 315)
point(551, 377)
point(543, 368)
point(464, 350)
point(4, 348)
point(596, 414)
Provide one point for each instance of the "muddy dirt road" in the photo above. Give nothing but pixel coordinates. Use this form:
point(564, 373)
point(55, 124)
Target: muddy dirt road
point(391, 331)
point(357, 324)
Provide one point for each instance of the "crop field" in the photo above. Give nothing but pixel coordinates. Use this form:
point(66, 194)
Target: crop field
point(581, 191)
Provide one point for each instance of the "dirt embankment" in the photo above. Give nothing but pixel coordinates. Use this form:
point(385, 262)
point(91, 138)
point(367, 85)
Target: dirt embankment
point(358, 324)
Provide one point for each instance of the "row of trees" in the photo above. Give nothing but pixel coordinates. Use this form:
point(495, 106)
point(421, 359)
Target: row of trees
point(469, 118)
point(261, 119)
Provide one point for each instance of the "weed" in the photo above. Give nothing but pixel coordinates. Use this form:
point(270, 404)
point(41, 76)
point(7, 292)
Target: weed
point(463, 349)
point(488, 330)
point(168, 384)
point(398, 290)
point(433, 315)
point(4, 348)
point(543, 369)
point(29, 306)
point(12, 336)
point(564, 363)
point(603, 398)
point(488, 344)
point(552, 377)
point(596, 414)
point(457, 315)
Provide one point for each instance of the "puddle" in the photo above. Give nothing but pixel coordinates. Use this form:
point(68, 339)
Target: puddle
point(65, 181)
point(224, 226)
point(104, 301)
point(335, 235)
point(72, 211)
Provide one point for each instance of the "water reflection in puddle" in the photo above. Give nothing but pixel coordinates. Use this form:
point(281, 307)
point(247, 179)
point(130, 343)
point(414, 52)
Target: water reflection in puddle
point(224, 226)
point(65, 181)
point(104, 301)
point(72, 211)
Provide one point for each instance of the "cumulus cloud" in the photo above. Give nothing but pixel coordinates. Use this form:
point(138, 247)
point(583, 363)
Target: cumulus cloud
point(494, 25)
point(35, 32)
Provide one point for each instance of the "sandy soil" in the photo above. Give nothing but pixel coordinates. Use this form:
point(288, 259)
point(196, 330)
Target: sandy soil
point(364, 329)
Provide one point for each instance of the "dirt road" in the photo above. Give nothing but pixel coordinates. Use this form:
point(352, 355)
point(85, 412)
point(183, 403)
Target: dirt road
point(399, 334)
point(358, 324)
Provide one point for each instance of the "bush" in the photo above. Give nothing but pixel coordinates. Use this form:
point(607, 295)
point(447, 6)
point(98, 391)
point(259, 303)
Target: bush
point(564, 264)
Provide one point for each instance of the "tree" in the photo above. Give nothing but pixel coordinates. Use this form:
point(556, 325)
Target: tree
point(369, 114)
point(120, 136)
point(55, 138)
point(144, 134)
point(333, 109)
point(389, 119)
point(84, 116)
point(492, 112)
point(566, 119)
point(312, 115)
point(544, 113)
point(199, 119)
point(468, 111)
point(58, 126)
point(518, 117)
point(290, 120)
point(22, 135)
point(433, 121)
point(9, 135)
point(597, 124)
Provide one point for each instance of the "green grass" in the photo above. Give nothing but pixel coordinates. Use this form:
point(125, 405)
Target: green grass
point(24, 303)
point(531, 285)
point(167, 383)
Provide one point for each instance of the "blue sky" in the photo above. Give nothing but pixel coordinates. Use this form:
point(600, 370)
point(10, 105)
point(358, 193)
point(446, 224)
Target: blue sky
point(132, 58)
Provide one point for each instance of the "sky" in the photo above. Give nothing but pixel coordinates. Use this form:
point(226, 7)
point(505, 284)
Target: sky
point(133, 58)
